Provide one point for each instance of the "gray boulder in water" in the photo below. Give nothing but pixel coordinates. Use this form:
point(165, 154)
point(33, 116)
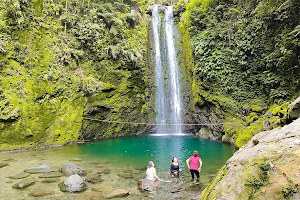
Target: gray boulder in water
point(73, 183)
point(71, 169)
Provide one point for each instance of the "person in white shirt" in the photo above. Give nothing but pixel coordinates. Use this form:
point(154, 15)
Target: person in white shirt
point(151, 172)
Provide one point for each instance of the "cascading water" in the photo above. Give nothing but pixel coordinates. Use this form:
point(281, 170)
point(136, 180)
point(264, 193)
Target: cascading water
point(167, 103)
point(173, 71)
point(160, 95)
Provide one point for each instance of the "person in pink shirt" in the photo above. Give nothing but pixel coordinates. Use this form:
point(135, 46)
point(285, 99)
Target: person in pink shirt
point(194, 169)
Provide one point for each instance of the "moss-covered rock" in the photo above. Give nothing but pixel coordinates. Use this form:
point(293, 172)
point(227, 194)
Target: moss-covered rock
point(265, 168)
point(57, 69)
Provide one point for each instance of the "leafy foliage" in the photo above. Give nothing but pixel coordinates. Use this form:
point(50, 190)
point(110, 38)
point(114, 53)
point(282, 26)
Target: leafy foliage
point(59, 59)
point(245, 51)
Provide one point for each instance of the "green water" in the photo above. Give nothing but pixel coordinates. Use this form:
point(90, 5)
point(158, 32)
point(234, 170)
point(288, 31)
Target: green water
point(160, 149)
point(119, 155)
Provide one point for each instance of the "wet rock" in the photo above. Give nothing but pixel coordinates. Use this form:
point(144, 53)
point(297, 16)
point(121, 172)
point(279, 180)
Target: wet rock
point(3, 165)
point(142, 168)
point(43, 193)
point(145, 184)
point(176, 186)
point(50, 175)
point(126, 175)
point(118, 193)
point(9, 159)
point(103, 171)
point(127, 171)
point(136, 171)
point(73, 183)
point(71, 169)
point(38, 169)
point(20, 175)
point(76, 160)
point(24, 183)
point(94, 178)
point(102, 188)
point(50, 180)
point(91, 196)
point(193, 187)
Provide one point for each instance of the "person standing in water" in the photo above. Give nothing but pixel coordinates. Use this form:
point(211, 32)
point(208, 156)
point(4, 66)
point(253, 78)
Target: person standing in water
point(174, 168)
point(151, 172)
point(194, 169)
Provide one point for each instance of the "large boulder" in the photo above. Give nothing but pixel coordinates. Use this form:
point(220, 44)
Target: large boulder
point(267, 167)
point(71, 169)
point(73, 183)
point(24, 183)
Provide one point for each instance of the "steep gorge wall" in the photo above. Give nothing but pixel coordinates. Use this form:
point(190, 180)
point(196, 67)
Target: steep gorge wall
point(242, 59)
point(61, 63)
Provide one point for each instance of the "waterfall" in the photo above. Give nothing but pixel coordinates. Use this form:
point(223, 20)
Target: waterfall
point(167, 101)
point(160, 95)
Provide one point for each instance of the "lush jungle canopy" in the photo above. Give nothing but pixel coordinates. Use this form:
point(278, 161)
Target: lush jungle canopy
point(66, 60)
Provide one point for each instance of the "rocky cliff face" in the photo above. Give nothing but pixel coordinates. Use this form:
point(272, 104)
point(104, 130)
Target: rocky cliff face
point(267, 167)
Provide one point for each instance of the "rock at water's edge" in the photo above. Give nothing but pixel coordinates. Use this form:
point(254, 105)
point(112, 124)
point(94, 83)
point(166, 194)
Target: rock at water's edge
point(73, 183)
point(267, 167)
point(71, 169)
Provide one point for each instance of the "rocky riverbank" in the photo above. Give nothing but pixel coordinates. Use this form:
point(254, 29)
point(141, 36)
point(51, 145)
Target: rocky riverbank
point(267, 167)
point(84, 180)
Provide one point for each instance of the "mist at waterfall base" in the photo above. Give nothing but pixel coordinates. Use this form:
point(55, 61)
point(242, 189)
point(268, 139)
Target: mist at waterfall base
point(167, 98)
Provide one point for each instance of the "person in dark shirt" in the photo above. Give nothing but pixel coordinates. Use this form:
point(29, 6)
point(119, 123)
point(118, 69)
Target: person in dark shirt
point(174, 168)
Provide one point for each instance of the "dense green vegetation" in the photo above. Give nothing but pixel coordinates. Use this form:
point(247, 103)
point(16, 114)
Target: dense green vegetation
point(246, 62)
point(63, 60)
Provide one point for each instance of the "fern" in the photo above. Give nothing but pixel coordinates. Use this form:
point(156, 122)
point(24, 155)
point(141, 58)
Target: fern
point(296, 30)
